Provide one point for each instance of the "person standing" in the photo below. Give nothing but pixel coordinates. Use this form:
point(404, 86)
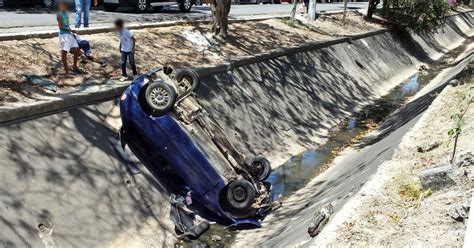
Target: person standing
point(82, 10)
point(67, 41)
point(127, 49)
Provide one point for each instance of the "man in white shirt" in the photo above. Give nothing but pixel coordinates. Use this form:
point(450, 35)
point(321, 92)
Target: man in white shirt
point(127, 49)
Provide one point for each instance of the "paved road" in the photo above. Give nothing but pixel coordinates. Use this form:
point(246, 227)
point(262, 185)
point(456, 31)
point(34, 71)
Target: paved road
point(31, 19)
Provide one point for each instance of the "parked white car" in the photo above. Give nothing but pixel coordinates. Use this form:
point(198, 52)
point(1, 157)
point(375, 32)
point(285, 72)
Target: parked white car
point(143, 5)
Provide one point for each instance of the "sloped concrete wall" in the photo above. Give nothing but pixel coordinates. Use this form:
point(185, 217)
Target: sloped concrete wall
point(285, 105)
point(64, 170)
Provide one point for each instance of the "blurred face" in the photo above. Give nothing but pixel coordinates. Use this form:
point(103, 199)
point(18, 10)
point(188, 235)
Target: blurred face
point(63, 7)
point(118, 26)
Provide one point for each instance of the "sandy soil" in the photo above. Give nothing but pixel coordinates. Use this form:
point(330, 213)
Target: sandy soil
point(383, 214)
point(332, 24)
point(177, 45)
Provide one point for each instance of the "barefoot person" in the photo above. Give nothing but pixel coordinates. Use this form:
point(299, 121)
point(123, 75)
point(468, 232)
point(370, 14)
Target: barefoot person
point(127, 49)
point(67, 41)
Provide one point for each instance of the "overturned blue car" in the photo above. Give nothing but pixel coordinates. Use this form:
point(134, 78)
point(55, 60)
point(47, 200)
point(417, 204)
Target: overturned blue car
point(181, 144)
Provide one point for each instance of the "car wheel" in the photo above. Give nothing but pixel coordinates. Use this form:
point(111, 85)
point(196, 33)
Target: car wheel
point(185, 5)
point(158, 8)
point(187, 78)
point(141, 6)
point(110, 7)
point(259, 167)
point(240, 194)
point(160, 96)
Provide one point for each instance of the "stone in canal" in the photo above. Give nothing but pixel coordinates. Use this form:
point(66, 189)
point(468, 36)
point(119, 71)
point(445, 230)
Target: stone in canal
point(216, 238)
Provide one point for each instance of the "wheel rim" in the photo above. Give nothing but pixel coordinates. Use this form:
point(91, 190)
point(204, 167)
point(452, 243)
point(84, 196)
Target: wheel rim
point(142, 5)
point(257, 168)
point(160, 97)
point(187, 4)
point(239, 194)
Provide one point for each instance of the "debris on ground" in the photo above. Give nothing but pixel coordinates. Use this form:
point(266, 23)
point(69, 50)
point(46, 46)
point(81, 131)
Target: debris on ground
point(321, 218)
point(461, 213)
point(428, 147)
point(465, 160)
point(216, 238)
point(276, 205)
point(187, 225)
point(42, 82)
point(200, 41)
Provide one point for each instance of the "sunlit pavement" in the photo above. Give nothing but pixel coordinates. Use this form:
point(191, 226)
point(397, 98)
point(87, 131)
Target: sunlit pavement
point(40, 19)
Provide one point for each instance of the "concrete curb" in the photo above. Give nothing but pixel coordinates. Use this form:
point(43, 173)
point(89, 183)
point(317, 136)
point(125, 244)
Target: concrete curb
point(241, 61)
point(56, 104)
point(107, 29)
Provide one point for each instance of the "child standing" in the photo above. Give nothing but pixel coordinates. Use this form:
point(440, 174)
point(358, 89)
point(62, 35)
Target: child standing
point(67, 41)
point(127, 49)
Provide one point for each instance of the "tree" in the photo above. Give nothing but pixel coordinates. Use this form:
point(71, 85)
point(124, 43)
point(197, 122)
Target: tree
point(312, 10)
point(420, 16)
point(372, 7)
point(220, 15)
point(345, 12)
point(293, 12)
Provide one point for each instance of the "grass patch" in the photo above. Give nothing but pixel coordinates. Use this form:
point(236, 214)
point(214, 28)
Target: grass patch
point(288, 22)
point(395, 218)
point(413, 192)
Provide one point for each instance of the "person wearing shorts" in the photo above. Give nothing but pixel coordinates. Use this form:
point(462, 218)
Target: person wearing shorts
point(67, 41)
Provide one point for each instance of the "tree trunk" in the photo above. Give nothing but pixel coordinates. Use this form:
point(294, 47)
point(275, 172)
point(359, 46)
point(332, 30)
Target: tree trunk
point(344, 14)
point(372, 7)
point(293, 12)
point(312, 10)
point(220, 14)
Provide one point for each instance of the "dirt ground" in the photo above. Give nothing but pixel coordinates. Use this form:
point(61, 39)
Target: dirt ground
point(176, 45)
point(392, 209)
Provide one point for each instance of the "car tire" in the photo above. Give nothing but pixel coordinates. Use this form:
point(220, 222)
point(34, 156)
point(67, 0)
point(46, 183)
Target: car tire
point(185, 5)
point(240, 195)
point(160, 96)
point(158, 8)
point(259, 167)
point(110, 7)
point(141, 6)
point(187, 74)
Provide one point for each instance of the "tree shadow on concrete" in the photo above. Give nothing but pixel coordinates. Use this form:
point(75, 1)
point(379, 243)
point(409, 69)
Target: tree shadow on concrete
point(62, 169)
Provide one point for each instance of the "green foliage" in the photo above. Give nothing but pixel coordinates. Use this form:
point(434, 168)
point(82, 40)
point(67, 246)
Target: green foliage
point(458, 122)
point(289, 22)
point(419, 15)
